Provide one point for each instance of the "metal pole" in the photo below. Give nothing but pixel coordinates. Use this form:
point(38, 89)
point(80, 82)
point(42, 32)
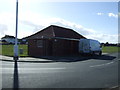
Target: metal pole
point(16, 40)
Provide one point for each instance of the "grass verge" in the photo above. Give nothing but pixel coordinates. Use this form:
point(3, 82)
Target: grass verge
point(110, 49)
point(7, 50)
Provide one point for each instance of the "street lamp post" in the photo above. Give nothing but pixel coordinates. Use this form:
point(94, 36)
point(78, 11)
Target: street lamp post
point(16, 40)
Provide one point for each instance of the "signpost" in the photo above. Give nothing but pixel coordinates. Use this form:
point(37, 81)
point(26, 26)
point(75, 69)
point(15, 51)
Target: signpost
point(16, 40)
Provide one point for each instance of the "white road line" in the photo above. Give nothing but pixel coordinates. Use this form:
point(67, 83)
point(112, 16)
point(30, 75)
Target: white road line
point(102, 64)
point(86, 61)
point(114, 86)
point(39, 68)
point(33, 68)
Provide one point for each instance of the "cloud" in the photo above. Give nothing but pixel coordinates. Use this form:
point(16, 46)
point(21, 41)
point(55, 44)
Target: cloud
point(109, 14)
point(64, 23)
point(31, 24)
point(104, 37)
point(37, 22)
point(87, 32)
point(100, 13)
point(7, 17)
point(3, 28)
point(112, 15)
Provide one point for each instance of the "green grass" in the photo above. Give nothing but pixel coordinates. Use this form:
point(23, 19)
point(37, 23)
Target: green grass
point(110, 49)
point(8, 50)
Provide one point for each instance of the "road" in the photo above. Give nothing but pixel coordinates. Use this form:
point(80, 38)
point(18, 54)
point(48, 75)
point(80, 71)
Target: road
point(95, 72)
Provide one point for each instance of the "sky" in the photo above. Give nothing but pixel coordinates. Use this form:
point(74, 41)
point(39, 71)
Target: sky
point(94, 20)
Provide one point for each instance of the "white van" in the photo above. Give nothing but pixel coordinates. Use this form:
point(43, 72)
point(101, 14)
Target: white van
point(89, 46)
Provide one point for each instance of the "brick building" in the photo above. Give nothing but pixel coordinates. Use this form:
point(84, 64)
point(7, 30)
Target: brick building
point(54, 41)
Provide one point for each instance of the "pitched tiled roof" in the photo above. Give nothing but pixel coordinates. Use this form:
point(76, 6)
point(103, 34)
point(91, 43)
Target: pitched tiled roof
point(66, 32)
point(54, 31)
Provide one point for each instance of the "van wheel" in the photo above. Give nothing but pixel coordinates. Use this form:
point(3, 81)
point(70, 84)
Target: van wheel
point(100, 53)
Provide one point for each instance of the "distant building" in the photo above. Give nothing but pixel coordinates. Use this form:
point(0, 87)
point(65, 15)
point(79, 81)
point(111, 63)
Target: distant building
point(8, 39)
point(54, 41)
point(24, 40)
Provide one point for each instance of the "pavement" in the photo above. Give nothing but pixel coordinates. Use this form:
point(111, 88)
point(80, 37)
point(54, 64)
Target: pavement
point(24, 59)
point(47, 58)
point(40, 59)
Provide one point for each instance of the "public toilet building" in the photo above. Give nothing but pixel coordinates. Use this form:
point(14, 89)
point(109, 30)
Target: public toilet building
point(54, 41)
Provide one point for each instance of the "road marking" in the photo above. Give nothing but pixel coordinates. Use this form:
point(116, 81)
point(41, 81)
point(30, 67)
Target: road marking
point(31, 68)
point(86, 61)
point(40, 68)
point(102, 64)
point(114, 86)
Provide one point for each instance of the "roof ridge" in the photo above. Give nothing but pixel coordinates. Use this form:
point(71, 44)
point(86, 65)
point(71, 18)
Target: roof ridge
point(66, 29)
point(57, 31)
point(53, 30)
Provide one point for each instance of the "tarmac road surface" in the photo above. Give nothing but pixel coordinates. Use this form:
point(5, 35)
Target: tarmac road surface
point(95, 72)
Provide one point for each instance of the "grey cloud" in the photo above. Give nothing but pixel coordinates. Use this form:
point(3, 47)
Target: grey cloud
point(74, 27)
point(105, 38)
point(35, 26)
point(88, 33)
point(38, 28)
point(82, 31)
point(28, 23)
point(59, 22)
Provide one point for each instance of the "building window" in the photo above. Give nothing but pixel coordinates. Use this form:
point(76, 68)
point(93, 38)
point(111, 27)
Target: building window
point(40, 43)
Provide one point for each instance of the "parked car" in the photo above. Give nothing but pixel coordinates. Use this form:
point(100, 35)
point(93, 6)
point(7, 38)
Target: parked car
point(90, 46)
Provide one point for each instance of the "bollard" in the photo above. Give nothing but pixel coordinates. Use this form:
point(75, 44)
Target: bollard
point(21, 51)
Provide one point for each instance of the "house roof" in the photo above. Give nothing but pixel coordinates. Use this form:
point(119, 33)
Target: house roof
point(54, 31)
point(8, 36)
